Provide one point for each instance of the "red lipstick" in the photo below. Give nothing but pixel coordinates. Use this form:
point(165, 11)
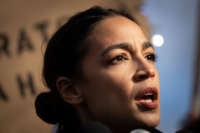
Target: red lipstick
point(148, 98)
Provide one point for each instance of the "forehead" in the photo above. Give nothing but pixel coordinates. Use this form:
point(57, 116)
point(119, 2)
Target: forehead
point(115, 30)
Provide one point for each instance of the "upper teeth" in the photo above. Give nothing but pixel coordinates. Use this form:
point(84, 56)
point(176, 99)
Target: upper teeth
point(147, 100)
point(148, 94)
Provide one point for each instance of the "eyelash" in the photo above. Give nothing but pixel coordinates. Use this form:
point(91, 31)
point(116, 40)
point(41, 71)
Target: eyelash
point(119, 58)
point(152, 57)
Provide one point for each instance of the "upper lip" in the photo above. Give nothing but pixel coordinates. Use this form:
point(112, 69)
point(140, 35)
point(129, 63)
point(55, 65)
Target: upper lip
point(149, 90)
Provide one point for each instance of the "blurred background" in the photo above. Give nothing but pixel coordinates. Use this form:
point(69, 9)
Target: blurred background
point(26, 25)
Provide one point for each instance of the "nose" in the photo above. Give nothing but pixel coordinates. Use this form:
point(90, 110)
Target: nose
point(145, 70)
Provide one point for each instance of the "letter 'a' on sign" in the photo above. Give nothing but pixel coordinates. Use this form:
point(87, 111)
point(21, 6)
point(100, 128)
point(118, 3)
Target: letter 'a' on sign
point(24, 42)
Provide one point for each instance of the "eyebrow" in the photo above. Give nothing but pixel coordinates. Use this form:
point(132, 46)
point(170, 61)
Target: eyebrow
point(126, 46)
point(147, 45)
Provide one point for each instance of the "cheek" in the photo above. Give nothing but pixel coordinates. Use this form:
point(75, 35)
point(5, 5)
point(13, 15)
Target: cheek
point(111, 85)
point(122, 76)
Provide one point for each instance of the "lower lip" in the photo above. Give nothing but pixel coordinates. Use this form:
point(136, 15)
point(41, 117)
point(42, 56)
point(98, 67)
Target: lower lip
point(148, 105)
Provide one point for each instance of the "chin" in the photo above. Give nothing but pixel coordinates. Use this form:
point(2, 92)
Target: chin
point(150, 120)
point(152, 123)
point(146, 119)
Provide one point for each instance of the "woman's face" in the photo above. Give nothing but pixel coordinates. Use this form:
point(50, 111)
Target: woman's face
point(122, 84)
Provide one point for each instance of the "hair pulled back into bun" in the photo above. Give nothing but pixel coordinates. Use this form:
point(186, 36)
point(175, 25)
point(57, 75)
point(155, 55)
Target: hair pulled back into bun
point(47, 107)
point(52, 109)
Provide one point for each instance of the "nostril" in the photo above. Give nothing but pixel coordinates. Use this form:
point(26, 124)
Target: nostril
point(152, 74)
point(140, 77)
point(143, 75)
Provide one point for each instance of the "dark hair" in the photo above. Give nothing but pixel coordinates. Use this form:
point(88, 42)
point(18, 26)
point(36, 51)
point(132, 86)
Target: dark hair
point(63, 56)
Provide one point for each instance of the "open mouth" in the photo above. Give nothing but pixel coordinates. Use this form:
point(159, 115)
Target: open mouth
point(148, 98)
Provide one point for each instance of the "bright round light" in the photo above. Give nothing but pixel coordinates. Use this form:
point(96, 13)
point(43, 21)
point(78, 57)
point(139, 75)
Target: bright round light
point(157, 40)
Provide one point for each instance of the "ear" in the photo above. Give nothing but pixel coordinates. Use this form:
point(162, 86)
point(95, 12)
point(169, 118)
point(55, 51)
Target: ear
point(68, 91)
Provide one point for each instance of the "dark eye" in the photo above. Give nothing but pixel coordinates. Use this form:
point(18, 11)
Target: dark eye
point(118, 59)
point(151, 57)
